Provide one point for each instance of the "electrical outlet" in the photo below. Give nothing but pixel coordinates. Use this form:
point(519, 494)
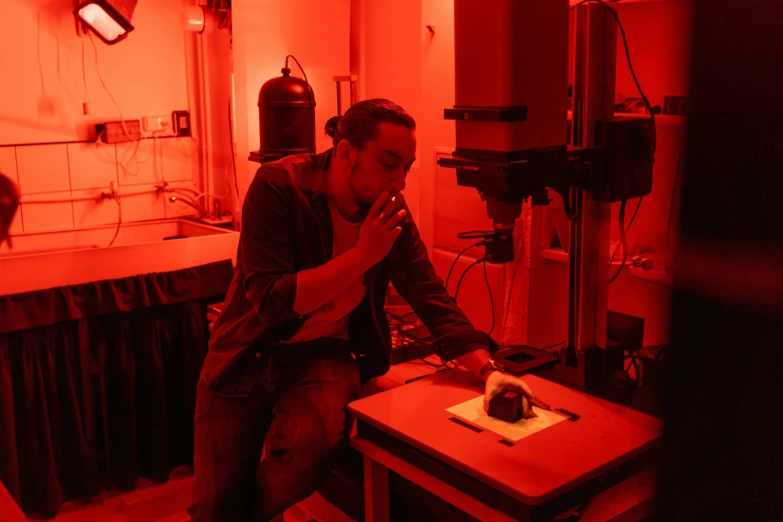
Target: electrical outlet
point(155, 123)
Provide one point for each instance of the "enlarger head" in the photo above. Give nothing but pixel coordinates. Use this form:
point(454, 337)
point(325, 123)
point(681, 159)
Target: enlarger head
point(511, 101)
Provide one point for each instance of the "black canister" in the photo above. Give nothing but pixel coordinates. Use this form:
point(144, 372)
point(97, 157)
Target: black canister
point(286, 116)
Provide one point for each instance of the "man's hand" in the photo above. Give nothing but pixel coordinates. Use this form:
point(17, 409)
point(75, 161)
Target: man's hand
point(380, 229)
point(499, 381)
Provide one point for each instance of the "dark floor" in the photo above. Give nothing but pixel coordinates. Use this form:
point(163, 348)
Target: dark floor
point(168, 502)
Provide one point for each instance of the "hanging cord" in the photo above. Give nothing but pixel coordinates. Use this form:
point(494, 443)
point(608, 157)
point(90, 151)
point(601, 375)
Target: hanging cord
point(461, 277)
point(119, 219)
point(456, 259)
point(627, 52)
point(309, 90)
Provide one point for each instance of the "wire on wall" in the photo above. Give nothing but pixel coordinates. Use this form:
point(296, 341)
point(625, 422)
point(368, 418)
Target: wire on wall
point(86, 107)
point(126, 163)
point(119, 220)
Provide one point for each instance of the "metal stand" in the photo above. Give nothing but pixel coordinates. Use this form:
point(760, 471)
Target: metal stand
point(583, 361)
point(338, 81)
point(607, 160)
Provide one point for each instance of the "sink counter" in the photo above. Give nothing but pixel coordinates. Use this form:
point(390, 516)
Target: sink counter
point(71, 257)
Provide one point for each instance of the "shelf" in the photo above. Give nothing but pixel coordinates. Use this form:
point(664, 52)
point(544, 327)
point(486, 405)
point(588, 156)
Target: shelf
point(655, 275)
point(667, 120)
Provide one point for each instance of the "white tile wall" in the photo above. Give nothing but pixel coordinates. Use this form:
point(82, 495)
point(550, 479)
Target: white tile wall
point(16, 224)
point(8, 162)
point(141, 166)
point(141, 203)
point(92, 166)
point(84, 170)
point(43, 169)
point(43, 217)
point(176, 159)
point(92, 210)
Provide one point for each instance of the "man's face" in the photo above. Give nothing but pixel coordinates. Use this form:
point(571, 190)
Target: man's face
point(383, 164)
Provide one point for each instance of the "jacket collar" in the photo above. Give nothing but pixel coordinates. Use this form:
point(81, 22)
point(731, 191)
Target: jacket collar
point(315, 169)
point(320, 163)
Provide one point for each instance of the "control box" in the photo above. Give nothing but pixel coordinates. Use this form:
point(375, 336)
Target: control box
point(115, 132)
point(181, 120)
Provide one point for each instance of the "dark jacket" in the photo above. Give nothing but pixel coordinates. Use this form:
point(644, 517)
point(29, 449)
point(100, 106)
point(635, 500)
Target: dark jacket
point(286, 227)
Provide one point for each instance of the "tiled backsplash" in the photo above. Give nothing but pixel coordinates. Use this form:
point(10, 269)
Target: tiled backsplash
point(82, 171)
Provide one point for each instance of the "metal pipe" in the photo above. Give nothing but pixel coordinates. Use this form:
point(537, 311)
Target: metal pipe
point(192, 204)
point(99, 196)
point(207, 179)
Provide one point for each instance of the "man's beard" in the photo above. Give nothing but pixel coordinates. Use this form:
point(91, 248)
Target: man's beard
point(364, 206)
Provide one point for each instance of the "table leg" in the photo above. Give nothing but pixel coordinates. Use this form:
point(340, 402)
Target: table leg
point(376, 491)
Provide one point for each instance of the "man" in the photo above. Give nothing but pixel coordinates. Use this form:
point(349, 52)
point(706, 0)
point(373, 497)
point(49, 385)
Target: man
point(9, 202)
point(303, 325)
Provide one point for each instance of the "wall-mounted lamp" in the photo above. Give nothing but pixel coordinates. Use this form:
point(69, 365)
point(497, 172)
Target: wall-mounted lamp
point(109, 19)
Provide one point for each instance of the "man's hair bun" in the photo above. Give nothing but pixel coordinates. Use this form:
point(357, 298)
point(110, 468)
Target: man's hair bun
point(331, 126)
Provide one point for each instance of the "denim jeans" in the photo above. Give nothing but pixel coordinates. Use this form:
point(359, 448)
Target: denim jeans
point(295, 414)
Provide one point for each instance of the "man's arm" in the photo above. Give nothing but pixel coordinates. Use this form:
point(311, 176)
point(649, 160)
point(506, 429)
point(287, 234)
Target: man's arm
point(272, 285)
point(266, 247)
point(415, 279)
point(317, 286)
point(474, 361)
point(376, 237)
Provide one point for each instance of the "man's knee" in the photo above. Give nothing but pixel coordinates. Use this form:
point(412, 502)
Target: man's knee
point(312, 426)
point(311, 449)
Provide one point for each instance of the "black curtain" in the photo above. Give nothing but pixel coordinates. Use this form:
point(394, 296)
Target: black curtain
point(722, 455)
point(97, 383)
